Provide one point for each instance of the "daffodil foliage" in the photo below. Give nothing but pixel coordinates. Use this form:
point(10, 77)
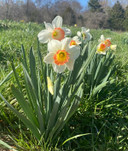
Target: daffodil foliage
point(54, 83)
point(101, 67)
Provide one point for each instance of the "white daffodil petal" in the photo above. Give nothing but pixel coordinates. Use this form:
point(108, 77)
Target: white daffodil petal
point(58, 69)
point(65, 43)
point(57, 22)
point(89, 37)
point(102, 38)
point(67, 31)
point(74, 52)
point(44, 36)
point(79, 33)
point(83, 29)
point(101, 52)
point(88, 30)
point(76, 39)
point(70, 64)
point(48, 26)
point(49, 58)
point(54, 45)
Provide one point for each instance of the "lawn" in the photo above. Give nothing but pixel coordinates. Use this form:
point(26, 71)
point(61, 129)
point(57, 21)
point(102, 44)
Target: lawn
point(103, 117)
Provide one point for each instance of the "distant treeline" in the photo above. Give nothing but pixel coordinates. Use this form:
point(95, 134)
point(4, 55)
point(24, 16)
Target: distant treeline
point(99, 13)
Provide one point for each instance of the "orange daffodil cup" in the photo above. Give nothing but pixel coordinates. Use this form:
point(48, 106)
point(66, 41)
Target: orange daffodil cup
point(53, 31)
point(104, 45)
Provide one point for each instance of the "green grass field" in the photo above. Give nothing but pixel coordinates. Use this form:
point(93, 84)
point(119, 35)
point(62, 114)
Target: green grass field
point(104, 117)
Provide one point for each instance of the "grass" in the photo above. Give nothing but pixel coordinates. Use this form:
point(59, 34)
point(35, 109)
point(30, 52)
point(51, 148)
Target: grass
point(104, 116)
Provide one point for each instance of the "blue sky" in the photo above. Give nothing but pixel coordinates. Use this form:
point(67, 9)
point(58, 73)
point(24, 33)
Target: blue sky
point(83, 3)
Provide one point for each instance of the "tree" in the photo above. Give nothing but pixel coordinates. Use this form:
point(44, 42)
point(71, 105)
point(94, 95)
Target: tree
point(95, 6)
point(126, 19)
point(116, 17)
point(95, 20)
point(105, 4)
point(124, 3)
point(76, 6)
point(69, 16)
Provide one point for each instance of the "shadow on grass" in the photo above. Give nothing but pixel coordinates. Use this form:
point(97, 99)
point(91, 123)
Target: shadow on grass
point(105, 117)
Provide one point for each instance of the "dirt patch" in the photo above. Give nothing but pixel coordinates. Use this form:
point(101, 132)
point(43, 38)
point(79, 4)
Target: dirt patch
point(5, 138)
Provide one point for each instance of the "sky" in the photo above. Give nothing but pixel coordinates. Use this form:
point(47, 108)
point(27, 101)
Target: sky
point(84, 3)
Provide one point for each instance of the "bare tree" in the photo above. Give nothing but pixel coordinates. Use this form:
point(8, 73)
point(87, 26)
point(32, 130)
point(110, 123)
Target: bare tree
point(105, 3)
point(75, 5)
point(41, 10)
point(95, 20)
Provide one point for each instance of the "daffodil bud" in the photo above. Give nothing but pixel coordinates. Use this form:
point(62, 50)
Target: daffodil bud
point(113, 47)
point(50, 85)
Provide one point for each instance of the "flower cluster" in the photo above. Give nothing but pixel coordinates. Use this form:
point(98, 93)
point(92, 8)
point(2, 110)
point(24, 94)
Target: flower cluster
point(62, 50)
point(104, 45)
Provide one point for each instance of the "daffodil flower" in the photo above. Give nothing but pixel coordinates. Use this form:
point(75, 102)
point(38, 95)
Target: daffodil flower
point(104, 45)
point(84, 34)
point(75, 41)
point(75, 25)
point(107, 41)
point(53, 31)
point(101, 49)
point(61, 55)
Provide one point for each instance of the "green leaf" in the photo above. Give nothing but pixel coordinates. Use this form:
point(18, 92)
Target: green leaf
point(66, 112)
point(53, 115)
point(101, 86)
point(30, 89)
point(75, 137)
point(16, 76)
point(24, 105)
point(57, 86)
point(33, 71)
point(24, 60)
point(82, 72)
point(34, 101)
point(28, 124)
point(6, 78)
